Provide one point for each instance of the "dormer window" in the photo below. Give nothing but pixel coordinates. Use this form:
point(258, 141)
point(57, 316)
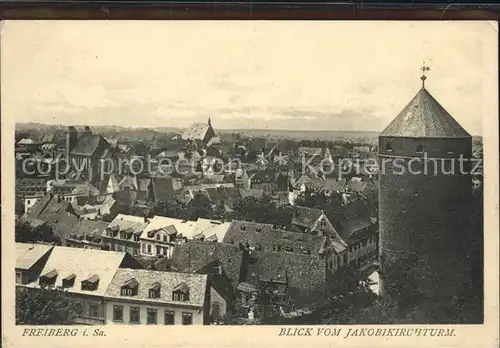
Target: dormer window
point(154, 292)
point(49, 278)
point(181, 292)
point(388, 147)
point(242, 227)
point(91, 283)
point(130, 288)
point(69, 281)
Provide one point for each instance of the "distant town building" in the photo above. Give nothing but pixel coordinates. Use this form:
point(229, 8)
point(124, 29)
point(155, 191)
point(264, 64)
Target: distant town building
point(200, 132)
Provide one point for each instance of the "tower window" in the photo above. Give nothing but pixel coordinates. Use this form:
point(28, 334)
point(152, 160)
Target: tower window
point(388, 147)
point(420, 149)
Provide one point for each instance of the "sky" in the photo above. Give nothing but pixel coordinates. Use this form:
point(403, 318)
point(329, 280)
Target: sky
point(300, 75)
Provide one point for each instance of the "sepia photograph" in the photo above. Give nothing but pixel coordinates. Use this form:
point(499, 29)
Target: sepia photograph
point(248, 173)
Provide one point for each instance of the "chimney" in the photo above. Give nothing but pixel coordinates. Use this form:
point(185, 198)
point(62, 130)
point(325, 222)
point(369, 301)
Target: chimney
point(87, 130)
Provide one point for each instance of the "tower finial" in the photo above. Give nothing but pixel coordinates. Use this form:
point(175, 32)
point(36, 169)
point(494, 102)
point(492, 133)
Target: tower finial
point(424, 68)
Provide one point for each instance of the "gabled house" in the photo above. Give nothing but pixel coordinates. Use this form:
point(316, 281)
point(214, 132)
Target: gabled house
point(30, 261)
point(123, 234)
point(296, 280)
point(208, 258)
point(84, 275)
point(162, 298)
point(199, 132)
point(86, 234)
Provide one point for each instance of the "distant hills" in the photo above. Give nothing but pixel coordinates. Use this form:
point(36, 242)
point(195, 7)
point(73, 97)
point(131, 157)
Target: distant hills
point(150, 132)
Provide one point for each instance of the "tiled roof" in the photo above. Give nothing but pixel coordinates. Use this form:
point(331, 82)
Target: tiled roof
point(350, 219)
point(306, 217)
point(424, 117)
point(89, 145)
point(197, 131)
point(163, 188)
point(196, 285)
point(83, 263)
point(195, 255)
point(28, 254)
point(122, 222)
point(89, 230)
point(267, 237)
point(305, 272)
point(184, 227)
point(211, 228)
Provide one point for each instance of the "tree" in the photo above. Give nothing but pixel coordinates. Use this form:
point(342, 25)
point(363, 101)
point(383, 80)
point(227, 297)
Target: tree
point(199, 207)
point(347, 293)
point(27, 233)
point(47, 306)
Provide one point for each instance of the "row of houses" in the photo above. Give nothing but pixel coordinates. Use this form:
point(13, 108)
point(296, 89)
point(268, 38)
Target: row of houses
point(112, 288)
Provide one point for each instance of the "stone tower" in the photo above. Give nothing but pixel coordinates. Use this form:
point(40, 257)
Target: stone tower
point(425, 197)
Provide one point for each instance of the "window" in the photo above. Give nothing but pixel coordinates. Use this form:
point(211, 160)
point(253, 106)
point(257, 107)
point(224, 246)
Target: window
point(187, 318)
point(154, 292)
point(179, 296)
point(388, 147)
point(165, 238)
point(152, 317)
point(158, 250)
point(91, 283)
point(144, 248)
point(135, 315)
point(28, 201)
point(19, 277)
point(93, 310)
point(216, 310)
point(49, 278)
point(169, 318)
point(158, 236)
point(69, 281)
point(117, 313)
point(149, 249)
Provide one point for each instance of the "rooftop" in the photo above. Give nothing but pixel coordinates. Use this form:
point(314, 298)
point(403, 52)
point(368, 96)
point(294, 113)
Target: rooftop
point(28, 254)
point(165, 282)
point(83, 263)
point(424, 117)
point(195, 255)
point(267, 237)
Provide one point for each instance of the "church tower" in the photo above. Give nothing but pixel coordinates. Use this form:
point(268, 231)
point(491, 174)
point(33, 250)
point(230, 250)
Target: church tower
point(425, 197)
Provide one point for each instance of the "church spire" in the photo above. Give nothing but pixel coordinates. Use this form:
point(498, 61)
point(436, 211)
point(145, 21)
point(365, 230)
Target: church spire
point(424, 68)
point(209, 121)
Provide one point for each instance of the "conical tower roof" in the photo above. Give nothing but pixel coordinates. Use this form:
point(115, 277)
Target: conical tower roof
point(424, 117)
